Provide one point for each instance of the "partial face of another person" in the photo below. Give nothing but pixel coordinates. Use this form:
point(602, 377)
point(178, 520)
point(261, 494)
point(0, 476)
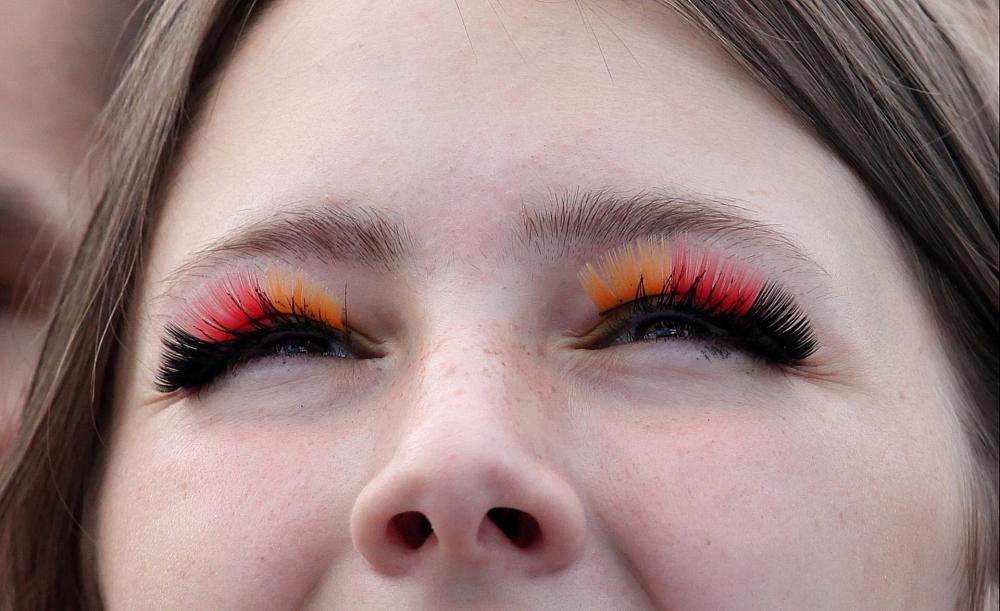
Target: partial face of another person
point(391, 349)
point(53, 79)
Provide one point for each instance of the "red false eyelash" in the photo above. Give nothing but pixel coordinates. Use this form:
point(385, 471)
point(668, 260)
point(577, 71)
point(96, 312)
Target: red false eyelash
point(653, 267)
point(242, 302)
point(246, 315)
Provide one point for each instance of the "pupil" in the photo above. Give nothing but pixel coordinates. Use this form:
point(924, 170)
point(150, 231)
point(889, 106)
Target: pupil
point(662, 328)
point(299, 345)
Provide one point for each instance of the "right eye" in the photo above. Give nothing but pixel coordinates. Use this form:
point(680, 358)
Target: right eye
point(298, 343)
point(191, 362)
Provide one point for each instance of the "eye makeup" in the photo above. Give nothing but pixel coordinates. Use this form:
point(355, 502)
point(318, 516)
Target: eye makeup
point(245, 316)
point(652, 289)
point(660, 289)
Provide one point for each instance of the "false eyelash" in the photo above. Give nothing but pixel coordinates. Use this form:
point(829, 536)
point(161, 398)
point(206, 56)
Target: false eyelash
point(706, 285)
point(239, 300)
point(229, 322)
point(657, 266)
point(189, 361)
point(772, 326)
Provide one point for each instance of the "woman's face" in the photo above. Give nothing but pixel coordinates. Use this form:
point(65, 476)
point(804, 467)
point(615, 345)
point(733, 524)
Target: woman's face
point(403, 199)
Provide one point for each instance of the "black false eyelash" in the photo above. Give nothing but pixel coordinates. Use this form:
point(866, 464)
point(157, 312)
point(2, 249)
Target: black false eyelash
point(773, 327)
point(191, 362)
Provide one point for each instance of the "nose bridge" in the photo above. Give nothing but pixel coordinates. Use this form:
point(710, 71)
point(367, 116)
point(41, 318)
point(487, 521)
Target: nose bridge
point(481, 381)
point(467, 483)
point(474, 419)
point(459, 373)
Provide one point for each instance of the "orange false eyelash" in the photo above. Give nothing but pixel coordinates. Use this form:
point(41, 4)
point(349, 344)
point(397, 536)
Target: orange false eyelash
point(300, 297)
point(655, 266)
point(242, 302)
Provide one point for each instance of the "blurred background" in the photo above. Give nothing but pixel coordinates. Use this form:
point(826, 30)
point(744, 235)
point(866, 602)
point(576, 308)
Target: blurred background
point(58, 63)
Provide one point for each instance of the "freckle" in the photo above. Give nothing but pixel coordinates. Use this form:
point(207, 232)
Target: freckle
point(451, 370)
point(260, 558)
point(708, 542)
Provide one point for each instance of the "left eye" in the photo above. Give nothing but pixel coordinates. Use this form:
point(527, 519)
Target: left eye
point(670, 326)
point(288, 344)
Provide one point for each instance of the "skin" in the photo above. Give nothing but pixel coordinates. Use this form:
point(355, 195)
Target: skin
point(53, 80)
point(660, 477)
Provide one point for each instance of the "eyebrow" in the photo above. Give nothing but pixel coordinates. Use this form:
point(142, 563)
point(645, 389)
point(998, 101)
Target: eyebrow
point(578, 221)
point(570, 223)
point(360, 234)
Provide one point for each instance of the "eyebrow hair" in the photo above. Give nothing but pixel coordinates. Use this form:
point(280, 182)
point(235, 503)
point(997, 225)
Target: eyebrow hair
point(362, 235)
point(580, 220)
point(573, 223)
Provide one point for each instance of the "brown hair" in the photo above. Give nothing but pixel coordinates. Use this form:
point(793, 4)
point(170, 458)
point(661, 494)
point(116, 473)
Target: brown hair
point(890, 86)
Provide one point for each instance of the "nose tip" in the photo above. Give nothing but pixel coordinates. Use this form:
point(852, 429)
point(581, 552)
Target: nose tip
point(478, 512)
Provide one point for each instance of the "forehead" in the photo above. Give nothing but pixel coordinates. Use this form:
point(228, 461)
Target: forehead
point(349, 90)
point(456, 115)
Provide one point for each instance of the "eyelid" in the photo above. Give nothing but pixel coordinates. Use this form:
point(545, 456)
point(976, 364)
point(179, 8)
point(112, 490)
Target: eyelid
point(236, 318)
point(191, 362)
point(756, 314)
point(598, 334)
point(616, 321)
point(654, 265)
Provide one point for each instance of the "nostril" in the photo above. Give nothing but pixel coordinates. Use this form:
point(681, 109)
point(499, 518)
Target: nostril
point(522, 529)
point(412, 527)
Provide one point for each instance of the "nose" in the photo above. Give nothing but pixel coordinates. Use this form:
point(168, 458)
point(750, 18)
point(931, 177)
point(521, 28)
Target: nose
point(461, 491)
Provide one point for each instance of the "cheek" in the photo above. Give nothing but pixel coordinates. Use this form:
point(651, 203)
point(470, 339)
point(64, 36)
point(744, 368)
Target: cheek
point(792, 506)
point(199, 514)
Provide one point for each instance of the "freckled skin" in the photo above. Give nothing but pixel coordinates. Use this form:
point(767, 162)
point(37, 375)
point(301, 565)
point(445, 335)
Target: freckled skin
point(661, 476)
